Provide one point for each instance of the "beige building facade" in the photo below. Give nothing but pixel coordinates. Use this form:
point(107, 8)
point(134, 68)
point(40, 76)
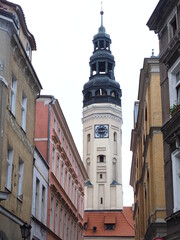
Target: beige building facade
point(147, 168)
point(103, 163)
point(19, 86)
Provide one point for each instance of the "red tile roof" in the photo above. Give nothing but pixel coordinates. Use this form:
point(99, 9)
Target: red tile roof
point(123, 220)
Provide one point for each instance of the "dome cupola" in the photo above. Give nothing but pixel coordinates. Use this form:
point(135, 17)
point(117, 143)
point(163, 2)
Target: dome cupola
point(102, 87)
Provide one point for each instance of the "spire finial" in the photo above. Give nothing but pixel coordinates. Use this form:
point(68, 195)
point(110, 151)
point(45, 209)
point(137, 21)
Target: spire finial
point(102, 13)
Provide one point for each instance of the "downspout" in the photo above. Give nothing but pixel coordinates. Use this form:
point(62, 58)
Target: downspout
point(49, 128)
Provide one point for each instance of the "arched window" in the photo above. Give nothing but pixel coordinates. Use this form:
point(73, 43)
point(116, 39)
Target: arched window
point(101, 158)
point(101, 92)
point(113, 94)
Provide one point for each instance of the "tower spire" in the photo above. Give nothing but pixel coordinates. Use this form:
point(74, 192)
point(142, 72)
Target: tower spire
point(102, 28)
point(102, 13)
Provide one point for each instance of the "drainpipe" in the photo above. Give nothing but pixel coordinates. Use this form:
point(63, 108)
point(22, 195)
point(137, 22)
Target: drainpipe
point(49, 127)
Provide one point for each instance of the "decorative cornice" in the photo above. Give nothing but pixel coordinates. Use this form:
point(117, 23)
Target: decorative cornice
point(101, 115)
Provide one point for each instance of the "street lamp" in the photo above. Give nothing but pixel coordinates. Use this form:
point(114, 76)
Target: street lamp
point(25, 230)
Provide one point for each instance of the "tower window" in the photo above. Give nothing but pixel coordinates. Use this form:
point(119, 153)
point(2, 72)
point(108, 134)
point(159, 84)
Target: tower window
point(95, 46)
point(101, 176)
point(107, 46)
point(88, 95)
point(101, 44)
point(114, 94)
point(101, 200)
point(101, 92)
point(101, 158)
point(88, 137)
point(102, 67)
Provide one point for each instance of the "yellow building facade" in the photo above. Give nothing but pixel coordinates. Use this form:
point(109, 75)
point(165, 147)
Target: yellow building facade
point(147, 168)
point(19, 87)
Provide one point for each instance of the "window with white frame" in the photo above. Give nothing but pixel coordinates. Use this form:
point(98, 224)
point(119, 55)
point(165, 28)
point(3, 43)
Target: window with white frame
point(9, 164)
point(20, 179)
point(57, 219)
point(37, 198)
point(75, 197)
point(58, 168)
point(176, 178)
point(59, 132)
point(62, 175)
point(28, 50)
point(61, 223)
point(72, 194)
point(69, 186)
point(66, 180)
point(53, 159)
point(174, 83)
point(43, 204)
point(173, 26)
point(23, 111)
point(13, 95)
point(65, 226)
point(52, 213)
point(55, 124)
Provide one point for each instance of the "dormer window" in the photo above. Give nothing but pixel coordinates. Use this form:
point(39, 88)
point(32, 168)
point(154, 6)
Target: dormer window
point(109, 226)
point(109, 222)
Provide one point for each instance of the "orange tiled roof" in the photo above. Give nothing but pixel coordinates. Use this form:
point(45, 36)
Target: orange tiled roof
point(123, 220)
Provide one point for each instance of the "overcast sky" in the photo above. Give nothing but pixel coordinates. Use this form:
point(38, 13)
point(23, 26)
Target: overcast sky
point(64, 29)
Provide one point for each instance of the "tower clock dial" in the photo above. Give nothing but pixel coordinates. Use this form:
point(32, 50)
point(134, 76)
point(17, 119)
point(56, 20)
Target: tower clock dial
point(101, 131)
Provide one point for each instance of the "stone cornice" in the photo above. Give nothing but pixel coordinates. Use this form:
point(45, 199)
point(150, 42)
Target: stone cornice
point(101, 115)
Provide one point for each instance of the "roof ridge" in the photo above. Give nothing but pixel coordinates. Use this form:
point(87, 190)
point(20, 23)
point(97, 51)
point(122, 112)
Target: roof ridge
point(128, 220)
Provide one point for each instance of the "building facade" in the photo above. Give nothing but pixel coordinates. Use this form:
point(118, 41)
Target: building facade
point(19, 87)
point(147, 168)
point(102, 140)
point(39, 197)
point(66, 171)
point(165, 21)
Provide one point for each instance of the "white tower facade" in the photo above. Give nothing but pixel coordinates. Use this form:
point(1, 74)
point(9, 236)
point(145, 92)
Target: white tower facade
point(102, 134)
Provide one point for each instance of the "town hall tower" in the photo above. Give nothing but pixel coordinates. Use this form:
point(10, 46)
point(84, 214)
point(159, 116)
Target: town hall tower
point(102, 135)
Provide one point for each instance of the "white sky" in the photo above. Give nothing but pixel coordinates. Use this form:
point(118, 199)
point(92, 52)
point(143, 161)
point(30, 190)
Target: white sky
point(64, 29)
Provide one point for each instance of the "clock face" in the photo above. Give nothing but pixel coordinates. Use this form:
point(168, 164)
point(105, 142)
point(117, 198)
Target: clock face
point(101, 131)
